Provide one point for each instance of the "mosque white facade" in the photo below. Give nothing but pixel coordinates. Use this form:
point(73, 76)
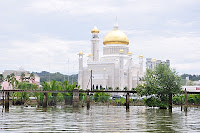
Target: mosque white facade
point(115, 68)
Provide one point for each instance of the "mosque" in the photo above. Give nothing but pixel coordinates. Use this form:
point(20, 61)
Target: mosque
point(115, 68)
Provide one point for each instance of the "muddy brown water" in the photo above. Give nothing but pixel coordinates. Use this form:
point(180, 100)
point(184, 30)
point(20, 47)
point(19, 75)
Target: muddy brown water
point(99, 119)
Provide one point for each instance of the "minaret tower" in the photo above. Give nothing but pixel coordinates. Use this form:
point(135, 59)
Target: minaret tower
point(141, 65)
point(130, 79)
point(121, 69)
point(153, 64)
point(95, 44)
point(80, 73)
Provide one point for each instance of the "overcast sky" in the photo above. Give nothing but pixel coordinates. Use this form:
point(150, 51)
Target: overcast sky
point(46, 35)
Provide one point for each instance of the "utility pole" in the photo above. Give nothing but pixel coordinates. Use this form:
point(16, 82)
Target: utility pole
point(64, 71)
point(68, 70)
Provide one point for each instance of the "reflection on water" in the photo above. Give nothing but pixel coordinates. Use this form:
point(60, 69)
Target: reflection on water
point(99, 119)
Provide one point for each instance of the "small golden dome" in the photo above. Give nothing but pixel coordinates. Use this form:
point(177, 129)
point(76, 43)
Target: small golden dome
point(90, 55)
point(129, 53)
point(121, 51)
point(140, 55)
point(116, 37)
point(80, 53)
point(153, 59)
point(95, 30)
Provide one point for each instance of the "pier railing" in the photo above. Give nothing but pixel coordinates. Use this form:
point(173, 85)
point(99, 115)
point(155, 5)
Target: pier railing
point(76, 92)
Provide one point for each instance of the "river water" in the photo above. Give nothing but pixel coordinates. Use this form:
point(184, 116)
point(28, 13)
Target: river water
point(99, 119)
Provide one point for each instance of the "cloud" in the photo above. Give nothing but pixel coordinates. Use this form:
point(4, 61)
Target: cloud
point(80, 7)
point(157, 28)
point(175, 23)
point(43, 54)
point(71, 7)
point(182, 50)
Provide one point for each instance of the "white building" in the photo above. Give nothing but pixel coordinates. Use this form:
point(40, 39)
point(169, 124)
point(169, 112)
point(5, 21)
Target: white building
point(115, 69)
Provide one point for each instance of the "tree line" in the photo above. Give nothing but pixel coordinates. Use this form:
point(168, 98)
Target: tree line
point(191, 77)
point(47, 76)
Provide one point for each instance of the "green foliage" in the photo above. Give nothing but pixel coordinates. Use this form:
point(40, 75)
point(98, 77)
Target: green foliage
point(22, 97)
point(191, 99)
point(120, 101)
point(155, 102)
point(177, 99)
point(46, 76)
point(1, 78)
point(191, 77)
point(101, 97)
point(159, 84)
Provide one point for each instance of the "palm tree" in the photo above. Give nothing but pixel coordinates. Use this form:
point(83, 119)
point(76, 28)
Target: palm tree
point(13, 80)
point(32, 77)
point(8, 78)
point(22, 77)
point(1, 78)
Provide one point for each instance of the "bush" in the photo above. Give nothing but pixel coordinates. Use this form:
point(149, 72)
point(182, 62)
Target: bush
point(155, 102)
point(101, 97)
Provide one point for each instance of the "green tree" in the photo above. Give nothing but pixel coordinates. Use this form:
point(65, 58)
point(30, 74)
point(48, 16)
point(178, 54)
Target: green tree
point(22, 76)
point(160, 84)
point(13, 81)
point(32, 77)
point(1, 79)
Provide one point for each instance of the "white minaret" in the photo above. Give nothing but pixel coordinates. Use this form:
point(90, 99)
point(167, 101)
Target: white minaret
point(90, 58)
point(153, 64)
point(130, 71)
point(121, 69)
point(141, 65)
point(95, 44)
point(80, 73)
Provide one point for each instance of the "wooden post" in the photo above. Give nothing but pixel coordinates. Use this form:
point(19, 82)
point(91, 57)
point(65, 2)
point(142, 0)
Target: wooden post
point(76, 97)
point(3, 97)
point(127, 102)
point(170, 101)
point(185, 101)
point(181, 103)
point(45, 101)
point(7, 101)
point(185, 97)
point(88, 100)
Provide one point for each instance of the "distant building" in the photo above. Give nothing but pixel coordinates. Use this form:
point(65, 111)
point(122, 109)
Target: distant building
point(6, 85)
point(152, 63)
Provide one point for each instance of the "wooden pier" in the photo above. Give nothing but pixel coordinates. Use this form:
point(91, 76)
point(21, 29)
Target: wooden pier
point(77, 91)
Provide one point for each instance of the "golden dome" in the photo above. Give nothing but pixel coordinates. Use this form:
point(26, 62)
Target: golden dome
point(153, 59)
point(140, 55)
point(80, 53)
point(116, 37)
point(129, 53)
point(95, 30)
point(121, 51)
